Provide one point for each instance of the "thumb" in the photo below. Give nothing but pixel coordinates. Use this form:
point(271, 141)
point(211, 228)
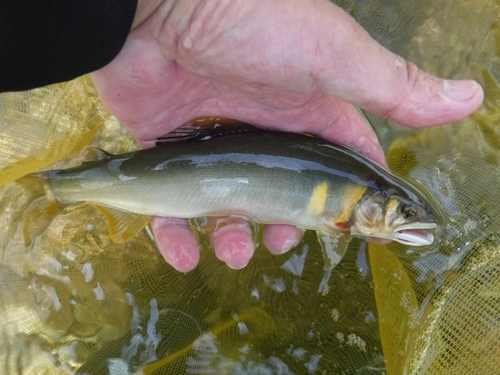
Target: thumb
point(417, 99)
point(359, 70)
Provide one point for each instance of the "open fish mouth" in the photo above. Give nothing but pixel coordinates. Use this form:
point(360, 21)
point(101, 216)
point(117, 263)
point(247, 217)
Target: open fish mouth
point(414, 237)
point(415, 234)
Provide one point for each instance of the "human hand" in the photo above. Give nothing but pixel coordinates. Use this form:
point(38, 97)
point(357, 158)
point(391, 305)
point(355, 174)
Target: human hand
point(294, 65)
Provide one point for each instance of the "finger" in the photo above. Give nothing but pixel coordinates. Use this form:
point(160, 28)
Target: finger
point(355, 68)
point(419, 99)
point(350, 129)
point(233, 244)
point(279, 238)
point(176, 243)
point(329, 118)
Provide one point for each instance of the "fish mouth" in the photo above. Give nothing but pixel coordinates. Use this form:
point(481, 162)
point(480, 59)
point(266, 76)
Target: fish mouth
point(415, 234)
point(414, 237)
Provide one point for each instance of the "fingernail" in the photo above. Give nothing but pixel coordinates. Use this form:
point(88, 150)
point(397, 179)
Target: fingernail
point(460, 91)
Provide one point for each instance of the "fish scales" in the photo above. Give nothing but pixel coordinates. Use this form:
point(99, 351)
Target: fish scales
point(269, 177)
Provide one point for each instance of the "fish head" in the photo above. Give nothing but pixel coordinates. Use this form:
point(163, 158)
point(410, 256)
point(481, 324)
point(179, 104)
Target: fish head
point(383, 217)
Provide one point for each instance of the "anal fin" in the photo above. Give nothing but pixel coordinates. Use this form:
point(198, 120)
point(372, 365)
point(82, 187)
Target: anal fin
point(41, 210)
point(333, 247)
point(38, 216)
point(123, 225)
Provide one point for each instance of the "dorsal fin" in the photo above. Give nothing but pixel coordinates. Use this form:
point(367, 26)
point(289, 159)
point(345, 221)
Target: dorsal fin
point(205, 128)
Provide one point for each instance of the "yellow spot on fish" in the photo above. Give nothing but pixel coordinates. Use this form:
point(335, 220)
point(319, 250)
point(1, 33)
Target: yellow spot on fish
point(351, 197)
point(318, 199)
point(392, 205)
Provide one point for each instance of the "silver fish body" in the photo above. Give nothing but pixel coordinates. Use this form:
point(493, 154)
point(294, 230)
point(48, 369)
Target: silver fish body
point(268, 177)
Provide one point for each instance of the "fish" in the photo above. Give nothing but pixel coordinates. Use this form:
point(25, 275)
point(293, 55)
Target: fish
point(213, 168)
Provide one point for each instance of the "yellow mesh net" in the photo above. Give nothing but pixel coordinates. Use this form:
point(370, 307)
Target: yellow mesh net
point(42, 126)
point(75, 302)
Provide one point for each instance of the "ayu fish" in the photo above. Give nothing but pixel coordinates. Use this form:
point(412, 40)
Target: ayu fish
point(234, 169)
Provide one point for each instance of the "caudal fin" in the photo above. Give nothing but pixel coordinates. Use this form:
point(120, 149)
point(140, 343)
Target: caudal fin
point(40, 212)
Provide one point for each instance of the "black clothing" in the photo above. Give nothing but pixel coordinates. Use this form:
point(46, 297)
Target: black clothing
point(44, 42)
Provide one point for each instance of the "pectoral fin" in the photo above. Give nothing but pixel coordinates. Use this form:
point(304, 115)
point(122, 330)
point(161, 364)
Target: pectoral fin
point(123, 225)
point(333, 246)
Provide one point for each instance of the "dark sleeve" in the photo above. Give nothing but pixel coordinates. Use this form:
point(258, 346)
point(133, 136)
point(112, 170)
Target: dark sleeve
point(49, 41)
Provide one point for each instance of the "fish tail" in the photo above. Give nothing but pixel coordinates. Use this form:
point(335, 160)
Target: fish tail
point(41, 210)
point(33, 183)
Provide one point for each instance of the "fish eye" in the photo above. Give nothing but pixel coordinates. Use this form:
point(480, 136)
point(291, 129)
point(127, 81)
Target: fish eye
point(409, 211)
